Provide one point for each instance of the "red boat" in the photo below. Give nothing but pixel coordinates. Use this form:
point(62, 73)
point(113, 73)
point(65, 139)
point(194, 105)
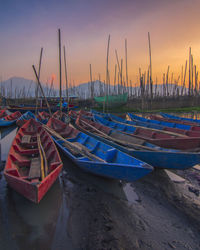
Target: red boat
point(85, 113)
point(13, 116)
point(189, 133)
point(43, 116)
point(3, 113)
point(63, 116)
point(153, 136)
point(193, 125)
point(33, 163)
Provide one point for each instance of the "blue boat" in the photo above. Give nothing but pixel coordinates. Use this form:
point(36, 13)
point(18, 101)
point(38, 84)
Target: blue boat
point(24, 118)
point(10, 119)
point(136, 123)
point(4, 123)
point(156, 156)
point(162, 123)
point(155, 137)
point(112, 163)
point(179, 118)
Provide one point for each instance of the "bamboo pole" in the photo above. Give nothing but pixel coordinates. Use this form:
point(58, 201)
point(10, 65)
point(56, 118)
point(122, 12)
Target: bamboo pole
point(184, 78)
point(124, 143)
point(37, 88)
point(122, 85)
point(192, 75)
point(119, 69)
point(115, 79)
point(66, 80)
point(91, 83)
point(42, 168)
point(74, 148)
point(189, 71)
point(42, 90)
point(126, 61)
point(107, 61)
point(60, 70)
point(150, 68)
point(167, 80)
point(195, 75)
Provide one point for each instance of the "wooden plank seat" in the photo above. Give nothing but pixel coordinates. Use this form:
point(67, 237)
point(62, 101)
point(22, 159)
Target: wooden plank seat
point(35, 171)
point(20, 160)
point(26, 139)
point(23, 151)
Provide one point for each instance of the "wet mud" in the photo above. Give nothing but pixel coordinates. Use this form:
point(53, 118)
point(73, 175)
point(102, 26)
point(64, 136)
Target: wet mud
point(83, 211)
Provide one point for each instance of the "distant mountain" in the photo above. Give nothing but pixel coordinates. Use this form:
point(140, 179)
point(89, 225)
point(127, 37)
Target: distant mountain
point(20, 87)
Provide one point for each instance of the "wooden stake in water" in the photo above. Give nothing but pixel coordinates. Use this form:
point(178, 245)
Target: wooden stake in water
point(107, 58)
point(184, 78)
point(60, 70)
point(41, 89)
point(66, 80)
point(126, 62)
point(37, 88)
point(189, 71)
point(91, 83)
point(150, 68)
point(115, 79)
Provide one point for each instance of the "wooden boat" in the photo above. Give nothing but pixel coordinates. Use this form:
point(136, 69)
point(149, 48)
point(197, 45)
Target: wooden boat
point(162, 123)
point(3, 113)
point(61, 116)
point(153, 155)
point(154, 137)
point(191, 125)
point(10, 119)
point(96, 157)
point(43, 117)
point(24, 109)
point(148, 124)
point(84, 113)
point(179, 118)
point(33, 162)
point(24, 118)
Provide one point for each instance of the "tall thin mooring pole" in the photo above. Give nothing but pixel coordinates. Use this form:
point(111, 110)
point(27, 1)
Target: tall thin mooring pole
point(66, 79)
point(150, 67)
point(60, 70)
point(37, 87)
point(126, 63)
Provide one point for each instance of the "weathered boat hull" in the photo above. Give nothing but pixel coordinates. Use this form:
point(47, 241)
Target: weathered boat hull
point(170, 159)
point(4, 123)
point(116, 165)
point(180, 118)
point(24, 118)
point(191, 126)
point(19, 160)
point(40, 109)
point(162, 123)
point(160, 139)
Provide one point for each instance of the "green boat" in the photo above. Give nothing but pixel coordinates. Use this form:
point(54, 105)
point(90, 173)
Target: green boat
point(112, 100)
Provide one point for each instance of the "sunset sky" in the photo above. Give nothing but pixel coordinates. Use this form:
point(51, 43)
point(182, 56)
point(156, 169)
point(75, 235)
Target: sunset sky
point(26, 26)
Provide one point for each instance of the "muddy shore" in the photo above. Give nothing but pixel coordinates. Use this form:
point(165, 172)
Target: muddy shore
point(82, 211)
